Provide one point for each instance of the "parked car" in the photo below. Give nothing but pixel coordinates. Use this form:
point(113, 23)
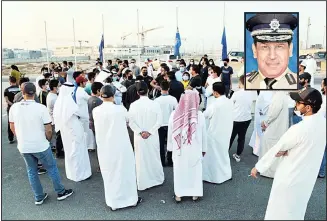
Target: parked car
point(235, 56)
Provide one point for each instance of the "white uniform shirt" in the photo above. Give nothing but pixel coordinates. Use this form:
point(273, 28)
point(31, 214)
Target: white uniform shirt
point(29, 119)
point(51, 100)
point(242, 105)
point(69, 77)
point(168, 104)
point(81, 99)
point(210, 82)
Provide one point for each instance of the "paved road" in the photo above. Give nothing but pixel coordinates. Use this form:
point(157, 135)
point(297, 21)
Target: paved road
point(241, 198)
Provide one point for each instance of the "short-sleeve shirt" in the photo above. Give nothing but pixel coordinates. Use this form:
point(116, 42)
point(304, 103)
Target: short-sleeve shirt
point(51, 100)
point(29, 119)
point(159, 79)
point(226, 75)
point(10, 92)
point(148, 80)
point(92, 103)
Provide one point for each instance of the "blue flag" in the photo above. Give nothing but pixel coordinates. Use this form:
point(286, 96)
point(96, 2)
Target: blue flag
point(224, 43)
point(178, 44)
point(101, 47)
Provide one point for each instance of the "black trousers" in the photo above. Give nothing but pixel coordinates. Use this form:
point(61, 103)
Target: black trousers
point(227, 89)
point(163, 131)
point(10, 133)
point(239, 129)
point(59, 146)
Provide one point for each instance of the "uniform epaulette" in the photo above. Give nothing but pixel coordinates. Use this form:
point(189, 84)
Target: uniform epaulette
point(290, 78)
point(253, 75)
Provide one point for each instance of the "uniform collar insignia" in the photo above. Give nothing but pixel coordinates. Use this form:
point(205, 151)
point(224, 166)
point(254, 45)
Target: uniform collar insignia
point(274, 24)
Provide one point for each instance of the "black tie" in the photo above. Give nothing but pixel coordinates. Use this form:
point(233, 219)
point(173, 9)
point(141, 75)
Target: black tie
point(269, 82)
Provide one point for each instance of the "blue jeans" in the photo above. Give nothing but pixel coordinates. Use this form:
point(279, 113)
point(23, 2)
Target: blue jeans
point(296, 119)
point(49, 163)
point(322, 171)
point(290, 116)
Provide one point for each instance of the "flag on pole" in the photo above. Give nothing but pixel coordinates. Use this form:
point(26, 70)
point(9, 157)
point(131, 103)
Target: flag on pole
point(224, 43)
point(101, 47)
point(178, 44)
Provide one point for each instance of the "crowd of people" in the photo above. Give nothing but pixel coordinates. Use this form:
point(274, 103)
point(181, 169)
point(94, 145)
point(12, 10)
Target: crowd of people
point(139, 122)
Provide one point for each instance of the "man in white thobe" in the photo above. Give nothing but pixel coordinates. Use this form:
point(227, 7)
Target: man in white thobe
point(82, 98)
point(145, 118)
point(65, 115)
point(300, 151)
point(115, 153)
point(275, 125)
point(216, 163)
point(260, 114)
point(311, 68)
point(187, 140)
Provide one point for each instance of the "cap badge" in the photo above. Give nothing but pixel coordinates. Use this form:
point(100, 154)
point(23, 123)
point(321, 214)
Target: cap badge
point(274, 24)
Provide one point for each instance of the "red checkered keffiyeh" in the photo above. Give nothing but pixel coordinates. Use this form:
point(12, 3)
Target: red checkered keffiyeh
point(186, 118)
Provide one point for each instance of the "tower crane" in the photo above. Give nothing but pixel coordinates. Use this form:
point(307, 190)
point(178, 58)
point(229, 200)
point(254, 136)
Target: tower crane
point(124, 38)
point(146, 31)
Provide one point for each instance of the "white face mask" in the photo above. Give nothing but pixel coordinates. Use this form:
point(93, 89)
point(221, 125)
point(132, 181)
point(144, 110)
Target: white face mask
point(210, 63)
point(298, 113)
point(185, 78)
point(132, 65)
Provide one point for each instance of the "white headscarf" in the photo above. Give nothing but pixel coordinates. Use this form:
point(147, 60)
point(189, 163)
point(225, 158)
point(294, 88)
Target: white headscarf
point(65, 107)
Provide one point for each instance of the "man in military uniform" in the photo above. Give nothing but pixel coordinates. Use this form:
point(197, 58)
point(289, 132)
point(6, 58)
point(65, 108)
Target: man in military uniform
point(272, 47)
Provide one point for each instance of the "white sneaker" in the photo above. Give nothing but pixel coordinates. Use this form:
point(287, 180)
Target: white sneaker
point(236, 157)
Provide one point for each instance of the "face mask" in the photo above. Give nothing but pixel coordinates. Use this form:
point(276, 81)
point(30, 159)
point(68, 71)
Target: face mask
point(182, 69)
point(130, 77)
point(302, 83)
point(145, 73)
point(132, 65)
point(191, 62)
point(114, 78)
point(298, 113)
point(225, 64)
point(185, 78)
point(210, 63)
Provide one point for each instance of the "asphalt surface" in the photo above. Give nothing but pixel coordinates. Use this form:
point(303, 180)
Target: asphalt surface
point(241, 198)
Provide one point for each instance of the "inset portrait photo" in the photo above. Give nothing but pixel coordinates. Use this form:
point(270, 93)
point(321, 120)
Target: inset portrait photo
point(271, 50)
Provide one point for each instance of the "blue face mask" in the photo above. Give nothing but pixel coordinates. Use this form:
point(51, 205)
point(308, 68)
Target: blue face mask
point(114, 78)
point(182, 69)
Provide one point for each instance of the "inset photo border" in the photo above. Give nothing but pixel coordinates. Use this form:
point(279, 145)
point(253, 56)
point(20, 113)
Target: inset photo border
point(271, 50)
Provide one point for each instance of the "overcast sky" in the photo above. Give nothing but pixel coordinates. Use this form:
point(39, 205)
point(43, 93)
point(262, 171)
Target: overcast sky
point(201, 23)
